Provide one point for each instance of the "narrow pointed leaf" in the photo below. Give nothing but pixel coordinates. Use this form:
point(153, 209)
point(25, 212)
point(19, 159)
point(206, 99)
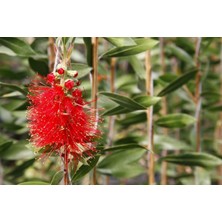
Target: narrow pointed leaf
point(177, 83)
point(120, 41)
point(18, 46)
point(147, 101)
point(194, 159)
point(57, 178)
point(17, 151)
point(19, 170)
point(122, 51)
point(116, 110)
point(180, 54)
point(4, 146)
point(123, 101)
point(122, 163)
point(88, 43)
point(216, 108)
point(34, 183)
point(177, 120)
point(168, 143)
point(84, 169)
point(128, 105)
point(124, 147)
point(14, 87)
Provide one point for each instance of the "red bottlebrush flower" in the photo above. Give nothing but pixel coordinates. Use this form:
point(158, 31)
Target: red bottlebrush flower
point(50, 78)
point(61, 71)
point(77, 95)
point(69, 84)
point(61, 121)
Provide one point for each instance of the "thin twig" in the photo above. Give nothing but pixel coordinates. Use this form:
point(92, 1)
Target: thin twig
point(197, 95)
point(111, 118)
point(95, 88)
point(163, 179)
point(51, 52)
point(219, 122)
point(1, 173)
point(149, 90)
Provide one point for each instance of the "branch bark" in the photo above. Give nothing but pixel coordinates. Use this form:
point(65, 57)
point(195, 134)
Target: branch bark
point(149, 91)
point(95, 88)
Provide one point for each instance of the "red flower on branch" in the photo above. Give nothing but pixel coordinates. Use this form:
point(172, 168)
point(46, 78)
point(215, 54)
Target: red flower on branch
point(61, 119)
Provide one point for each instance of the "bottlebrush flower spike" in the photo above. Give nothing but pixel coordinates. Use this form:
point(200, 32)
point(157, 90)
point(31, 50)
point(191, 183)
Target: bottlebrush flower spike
point(61, 119)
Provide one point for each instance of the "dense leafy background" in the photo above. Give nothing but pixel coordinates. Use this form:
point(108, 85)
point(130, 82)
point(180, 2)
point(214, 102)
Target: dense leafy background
point(122, 157)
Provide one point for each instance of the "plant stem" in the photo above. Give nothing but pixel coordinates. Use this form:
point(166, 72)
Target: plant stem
point(149, 91)
point(51, 52)
point(95, 88)
point(219, 122)
point(111, 118)
point(163, 179)
point(197, 96)
point(1, 173)
point(66, 169)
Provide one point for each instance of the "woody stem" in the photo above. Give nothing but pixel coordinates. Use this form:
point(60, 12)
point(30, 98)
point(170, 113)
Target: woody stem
point(95, 88)
point(149, 90)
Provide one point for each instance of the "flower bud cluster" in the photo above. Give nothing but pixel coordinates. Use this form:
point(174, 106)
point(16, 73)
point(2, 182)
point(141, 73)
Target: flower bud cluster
point(61, 73)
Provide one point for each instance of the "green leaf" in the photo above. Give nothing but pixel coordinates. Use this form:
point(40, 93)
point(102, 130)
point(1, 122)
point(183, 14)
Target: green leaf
point(39, 65)
point(34, 183)
point(14, 87)
point(128, 171)
point(133, 60)
point(177, 83)
point(142, 46)
point(168, 143)
point(82, 69)
point(177, 120)
point(180, 54)
point(146, 101)
point(19, 170)
point(133, 119)
point(216, 108)
point(57, 178)
point(121, 41)
point(138, 66)
point(123, 101)
point(124, 147)
point(127, 105)
point(17, 151)
point(194, 159)
point(84, 169)
point(122, 163)
point(8, 73)
point(18, 46)
point(4, 146)
point(89, 49)
point(116, 110)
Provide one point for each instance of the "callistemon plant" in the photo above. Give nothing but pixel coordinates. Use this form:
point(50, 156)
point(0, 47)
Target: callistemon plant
point(60, 120)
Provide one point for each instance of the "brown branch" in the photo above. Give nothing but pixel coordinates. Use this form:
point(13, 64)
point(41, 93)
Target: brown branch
point(163, 179)
point(219, 122)
point(51, 52)
point(197, 96)
point(149, 90)
point(111, 118)
point(95, 87)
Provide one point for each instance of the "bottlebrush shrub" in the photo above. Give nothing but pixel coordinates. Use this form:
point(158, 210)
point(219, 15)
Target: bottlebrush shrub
point(59, 118)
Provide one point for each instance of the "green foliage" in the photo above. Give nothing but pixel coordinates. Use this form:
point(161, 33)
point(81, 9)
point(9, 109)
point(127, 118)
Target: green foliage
point(177, 83)
point(177, 120)
point(194, 159)
point(122, 149)
point(142, 45)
